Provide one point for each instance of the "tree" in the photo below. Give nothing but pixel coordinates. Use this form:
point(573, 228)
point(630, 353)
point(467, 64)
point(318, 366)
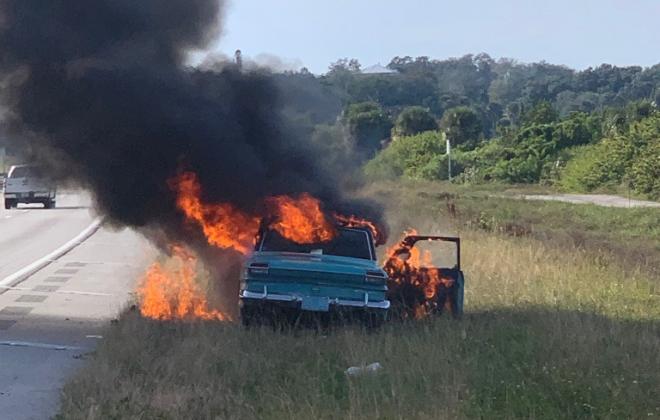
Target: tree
point(368, 125)
point(542, 113)
point(414, 120)
point(463, 127)
point(342, 72)
point(344, 64)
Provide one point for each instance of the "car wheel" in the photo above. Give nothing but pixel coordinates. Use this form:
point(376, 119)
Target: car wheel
point(50, 204)
point(9, 204)
point(249, 315)
point(375, 320)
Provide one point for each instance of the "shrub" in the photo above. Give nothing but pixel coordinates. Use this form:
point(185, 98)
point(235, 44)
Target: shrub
point(413, 157)
point(414, 120)
point(633, 156)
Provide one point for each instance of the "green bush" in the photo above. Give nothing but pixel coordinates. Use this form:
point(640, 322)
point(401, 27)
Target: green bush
point(534, 152)
point(645, 171)
point(414, 120)
point(413, 157)
point(631, 157)
point(580, 172)
point(570, 153)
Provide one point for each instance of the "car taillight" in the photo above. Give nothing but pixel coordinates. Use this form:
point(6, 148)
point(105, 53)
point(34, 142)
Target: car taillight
point(258, 269)
point(375, 277)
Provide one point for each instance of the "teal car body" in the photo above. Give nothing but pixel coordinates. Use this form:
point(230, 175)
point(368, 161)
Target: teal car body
point(341, 274)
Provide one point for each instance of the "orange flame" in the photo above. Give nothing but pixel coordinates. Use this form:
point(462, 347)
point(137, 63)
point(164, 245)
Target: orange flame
point(300, 220)
point(172, 294)
point(166, 294)
point(414, 272)
point(354, 221)
point(224, 225)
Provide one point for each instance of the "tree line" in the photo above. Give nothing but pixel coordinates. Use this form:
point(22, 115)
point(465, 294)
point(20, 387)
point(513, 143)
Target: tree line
point(510, 122)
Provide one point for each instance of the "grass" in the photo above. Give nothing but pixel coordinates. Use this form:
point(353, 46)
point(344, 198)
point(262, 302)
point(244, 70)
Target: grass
point(632, 236)
point(552, 330)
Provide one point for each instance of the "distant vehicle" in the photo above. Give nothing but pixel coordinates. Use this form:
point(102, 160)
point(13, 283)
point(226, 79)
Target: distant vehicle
point(29, 184)
point(340, 276)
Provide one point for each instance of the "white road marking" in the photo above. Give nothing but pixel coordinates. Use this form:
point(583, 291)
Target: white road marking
point(63, 292)
point(15, 288)
point(75, 292)
point(30, 269)
point(46, 346)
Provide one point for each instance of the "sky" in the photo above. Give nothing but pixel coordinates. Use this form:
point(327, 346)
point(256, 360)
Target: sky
point(310, 33)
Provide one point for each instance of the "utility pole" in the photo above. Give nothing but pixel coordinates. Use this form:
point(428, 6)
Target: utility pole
point(448, 158)
point(238, 57)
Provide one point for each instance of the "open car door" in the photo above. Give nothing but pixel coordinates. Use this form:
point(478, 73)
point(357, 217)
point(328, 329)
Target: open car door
point(416, 286)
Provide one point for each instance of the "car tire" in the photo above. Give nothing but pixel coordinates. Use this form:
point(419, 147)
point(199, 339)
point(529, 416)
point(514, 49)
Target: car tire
point(10, 204)
point(50, 204)
point(375, 320)
point(249, 316)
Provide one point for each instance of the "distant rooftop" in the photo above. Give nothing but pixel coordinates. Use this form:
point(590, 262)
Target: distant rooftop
point(377, 69)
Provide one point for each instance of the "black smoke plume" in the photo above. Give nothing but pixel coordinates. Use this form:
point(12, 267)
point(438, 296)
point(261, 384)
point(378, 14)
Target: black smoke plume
point(104, 87)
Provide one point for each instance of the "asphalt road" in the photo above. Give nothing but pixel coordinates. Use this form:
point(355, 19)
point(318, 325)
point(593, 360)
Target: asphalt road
point(604, 200)
point(50, 321)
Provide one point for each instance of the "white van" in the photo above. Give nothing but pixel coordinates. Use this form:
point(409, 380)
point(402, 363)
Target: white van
point(29, 184)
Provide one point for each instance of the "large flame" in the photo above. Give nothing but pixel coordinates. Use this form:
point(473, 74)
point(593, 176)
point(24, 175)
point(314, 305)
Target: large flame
point(354, 221)
point(223, 225)
point(300, 219)
point(172, 293)
point(413, 279)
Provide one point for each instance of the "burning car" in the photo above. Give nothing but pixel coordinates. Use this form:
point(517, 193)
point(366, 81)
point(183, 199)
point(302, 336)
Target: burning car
point(338, 275)
point(301, 259)
point(343, 275)
point(416, 287)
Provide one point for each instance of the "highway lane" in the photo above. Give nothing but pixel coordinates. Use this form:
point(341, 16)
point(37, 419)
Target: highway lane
point(30, 231)
point(51, 320)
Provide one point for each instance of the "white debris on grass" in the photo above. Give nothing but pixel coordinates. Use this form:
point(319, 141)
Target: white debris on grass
point(364, 369)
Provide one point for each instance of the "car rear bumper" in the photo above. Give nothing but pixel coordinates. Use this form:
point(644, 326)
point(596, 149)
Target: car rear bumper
point(26, 196)
point(291, 300)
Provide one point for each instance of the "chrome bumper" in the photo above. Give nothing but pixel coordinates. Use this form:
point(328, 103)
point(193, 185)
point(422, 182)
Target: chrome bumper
point(383, 304)
point(29, 195)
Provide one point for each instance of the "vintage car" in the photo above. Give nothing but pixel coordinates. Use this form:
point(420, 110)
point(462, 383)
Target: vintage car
point(285, 281)
point(340, 277)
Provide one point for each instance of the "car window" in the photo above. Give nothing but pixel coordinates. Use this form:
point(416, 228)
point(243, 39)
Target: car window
point(20, 172)
point(348, 243)
point(27, 172)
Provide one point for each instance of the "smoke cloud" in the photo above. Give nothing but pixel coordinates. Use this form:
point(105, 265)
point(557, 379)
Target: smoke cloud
point(103, 87)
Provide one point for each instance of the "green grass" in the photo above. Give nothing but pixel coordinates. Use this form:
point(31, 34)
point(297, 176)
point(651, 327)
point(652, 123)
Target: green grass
point(552, 330)
point(632, 236)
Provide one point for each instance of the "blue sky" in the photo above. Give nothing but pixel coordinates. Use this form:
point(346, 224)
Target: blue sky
point(577, 33)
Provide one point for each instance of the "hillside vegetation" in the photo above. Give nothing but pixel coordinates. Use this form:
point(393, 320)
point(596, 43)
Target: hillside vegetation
point(606, 150)
point(589, 130)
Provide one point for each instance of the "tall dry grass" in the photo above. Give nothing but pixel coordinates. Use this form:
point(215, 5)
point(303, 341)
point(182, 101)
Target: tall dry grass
point(550, 331)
